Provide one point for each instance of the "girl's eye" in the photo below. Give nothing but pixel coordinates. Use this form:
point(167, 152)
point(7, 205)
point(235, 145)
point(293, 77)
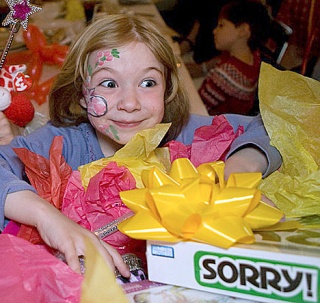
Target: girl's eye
point(148, 83)
point(108, 83)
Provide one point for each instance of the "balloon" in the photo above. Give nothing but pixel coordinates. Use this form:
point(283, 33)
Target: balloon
point(20, 57)
point(33, 37)
point(34, 69)
point(54, 53)
point(40, 92)
point(39, 52)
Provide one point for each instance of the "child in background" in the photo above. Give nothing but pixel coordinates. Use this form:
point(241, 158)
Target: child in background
point(194, 23)
point(119, 78)
point(231, 83)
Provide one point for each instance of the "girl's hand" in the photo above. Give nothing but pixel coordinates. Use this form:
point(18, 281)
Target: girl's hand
point(60, 232)
point(248, 159)
point(68, 237)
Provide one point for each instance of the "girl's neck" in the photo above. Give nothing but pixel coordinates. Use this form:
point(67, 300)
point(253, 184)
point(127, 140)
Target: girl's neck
point(108, 146)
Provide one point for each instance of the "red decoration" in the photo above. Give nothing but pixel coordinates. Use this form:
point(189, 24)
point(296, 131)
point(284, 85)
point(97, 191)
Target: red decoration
point(39, 53)
point(20, 111)
point(48, 176)
point(14, 101)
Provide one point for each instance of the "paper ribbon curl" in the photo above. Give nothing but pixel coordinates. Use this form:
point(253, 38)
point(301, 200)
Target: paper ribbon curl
point(197, 204)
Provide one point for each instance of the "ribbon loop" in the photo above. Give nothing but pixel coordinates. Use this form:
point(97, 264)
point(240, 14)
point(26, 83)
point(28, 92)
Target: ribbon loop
point(196, 204)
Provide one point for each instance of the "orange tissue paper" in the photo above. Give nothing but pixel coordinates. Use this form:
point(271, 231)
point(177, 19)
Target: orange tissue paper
point(48, 176)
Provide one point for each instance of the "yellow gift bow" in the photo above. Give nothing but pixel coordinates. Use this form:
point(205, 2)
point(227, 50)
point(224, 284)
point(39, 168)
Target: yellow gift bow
point(197, 204)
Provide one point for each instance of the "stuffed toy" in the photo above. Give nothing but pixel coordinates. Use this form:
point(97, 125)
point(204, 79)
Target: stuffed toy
point(13, 101)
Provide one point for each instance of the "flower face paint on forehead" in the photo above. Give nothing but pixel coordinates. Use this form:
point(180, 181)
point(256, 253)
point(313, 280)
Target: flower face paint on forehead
point(105, 56)
point(102, 57)
point(97, 105)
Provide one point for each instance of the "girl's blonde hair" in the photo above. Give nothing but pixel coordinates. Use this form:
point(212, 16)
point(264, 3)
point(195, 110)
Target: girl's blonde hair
point(110, 32)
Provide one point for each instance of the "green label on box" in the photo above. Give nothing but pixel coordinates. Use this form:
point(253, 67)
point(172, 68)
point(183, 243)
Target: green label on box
point(276, 280)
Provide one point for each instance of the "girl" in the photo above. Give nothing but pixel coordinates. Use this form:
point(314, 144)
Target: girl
point(119, 78)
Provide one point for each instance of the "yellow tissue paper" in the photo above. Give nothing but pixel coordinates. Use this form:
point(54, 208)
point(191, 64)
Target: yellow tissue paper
point(140, 153)
point(75, 10)
point(290, 109)
point(99, 284)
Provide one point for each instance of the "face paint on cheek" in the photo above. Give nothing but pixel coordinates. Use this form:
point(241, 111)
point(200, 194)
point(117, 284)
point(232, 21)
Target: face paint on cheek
point(97, 106)
point(89, 71)
point(114, 132)
point(110, 130)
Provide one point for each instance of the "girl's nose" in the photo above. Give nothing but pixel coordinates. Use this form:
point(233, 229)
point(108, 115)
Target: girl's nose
point(129, 101)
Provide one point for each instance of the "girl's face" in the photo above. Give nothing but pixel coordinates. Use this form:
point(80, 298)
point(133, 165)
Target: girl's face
point(123, 92)
point(226, 35)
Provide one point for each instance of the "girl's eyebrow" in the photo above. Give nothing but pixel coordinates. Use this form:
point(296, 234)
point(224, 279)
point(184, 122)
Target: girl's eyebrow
point(99, 69)
point(109, 69)
point(157, 69)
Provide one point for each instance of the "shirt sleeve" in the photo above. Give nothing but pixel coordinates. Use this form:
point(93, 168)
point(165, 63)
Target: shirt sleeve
point(255, 134)
point(80, 146)
point(12, 175)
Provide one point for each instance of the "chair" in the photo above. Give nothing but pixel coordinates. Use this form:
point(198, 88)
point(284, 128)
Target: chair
point(274, 49)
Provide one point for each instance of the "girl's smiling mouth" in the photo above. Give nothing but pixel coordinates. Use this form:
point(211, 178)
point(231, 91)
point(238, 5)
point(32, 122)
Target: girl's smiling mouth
point(126, 124)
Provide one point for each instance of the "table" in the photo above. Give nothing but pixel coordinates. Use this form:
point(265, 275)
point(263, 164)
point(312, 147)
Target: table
point(153, 292)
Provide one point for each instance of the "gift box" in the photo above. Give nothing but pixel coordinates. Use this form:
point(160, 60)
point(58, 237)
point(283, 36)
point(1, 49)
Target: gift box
point(281, 266)
point(218, 236)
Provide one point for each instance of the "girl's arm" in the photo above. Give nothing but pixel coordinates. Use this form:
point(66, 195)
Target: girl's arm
point(58, 231)
point(252, 151)
point(247, 159)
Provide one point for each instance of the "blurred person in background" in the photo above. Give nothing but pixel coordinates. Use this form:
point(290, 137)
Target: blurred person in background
point(194, 23)
point(230, 85)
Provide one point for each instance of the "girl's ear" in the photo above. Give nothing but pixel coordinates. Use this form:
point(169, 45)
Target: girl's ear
point(83, 102)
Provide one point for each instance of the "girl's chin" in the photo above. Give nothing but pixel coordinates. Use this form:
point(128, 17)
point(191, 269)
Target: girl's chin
point(123, 139)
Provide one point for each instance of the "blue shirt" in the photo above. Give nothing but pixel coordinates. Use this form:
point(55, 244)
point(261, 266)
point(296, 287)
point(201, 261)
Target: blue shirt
point(81, 146)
